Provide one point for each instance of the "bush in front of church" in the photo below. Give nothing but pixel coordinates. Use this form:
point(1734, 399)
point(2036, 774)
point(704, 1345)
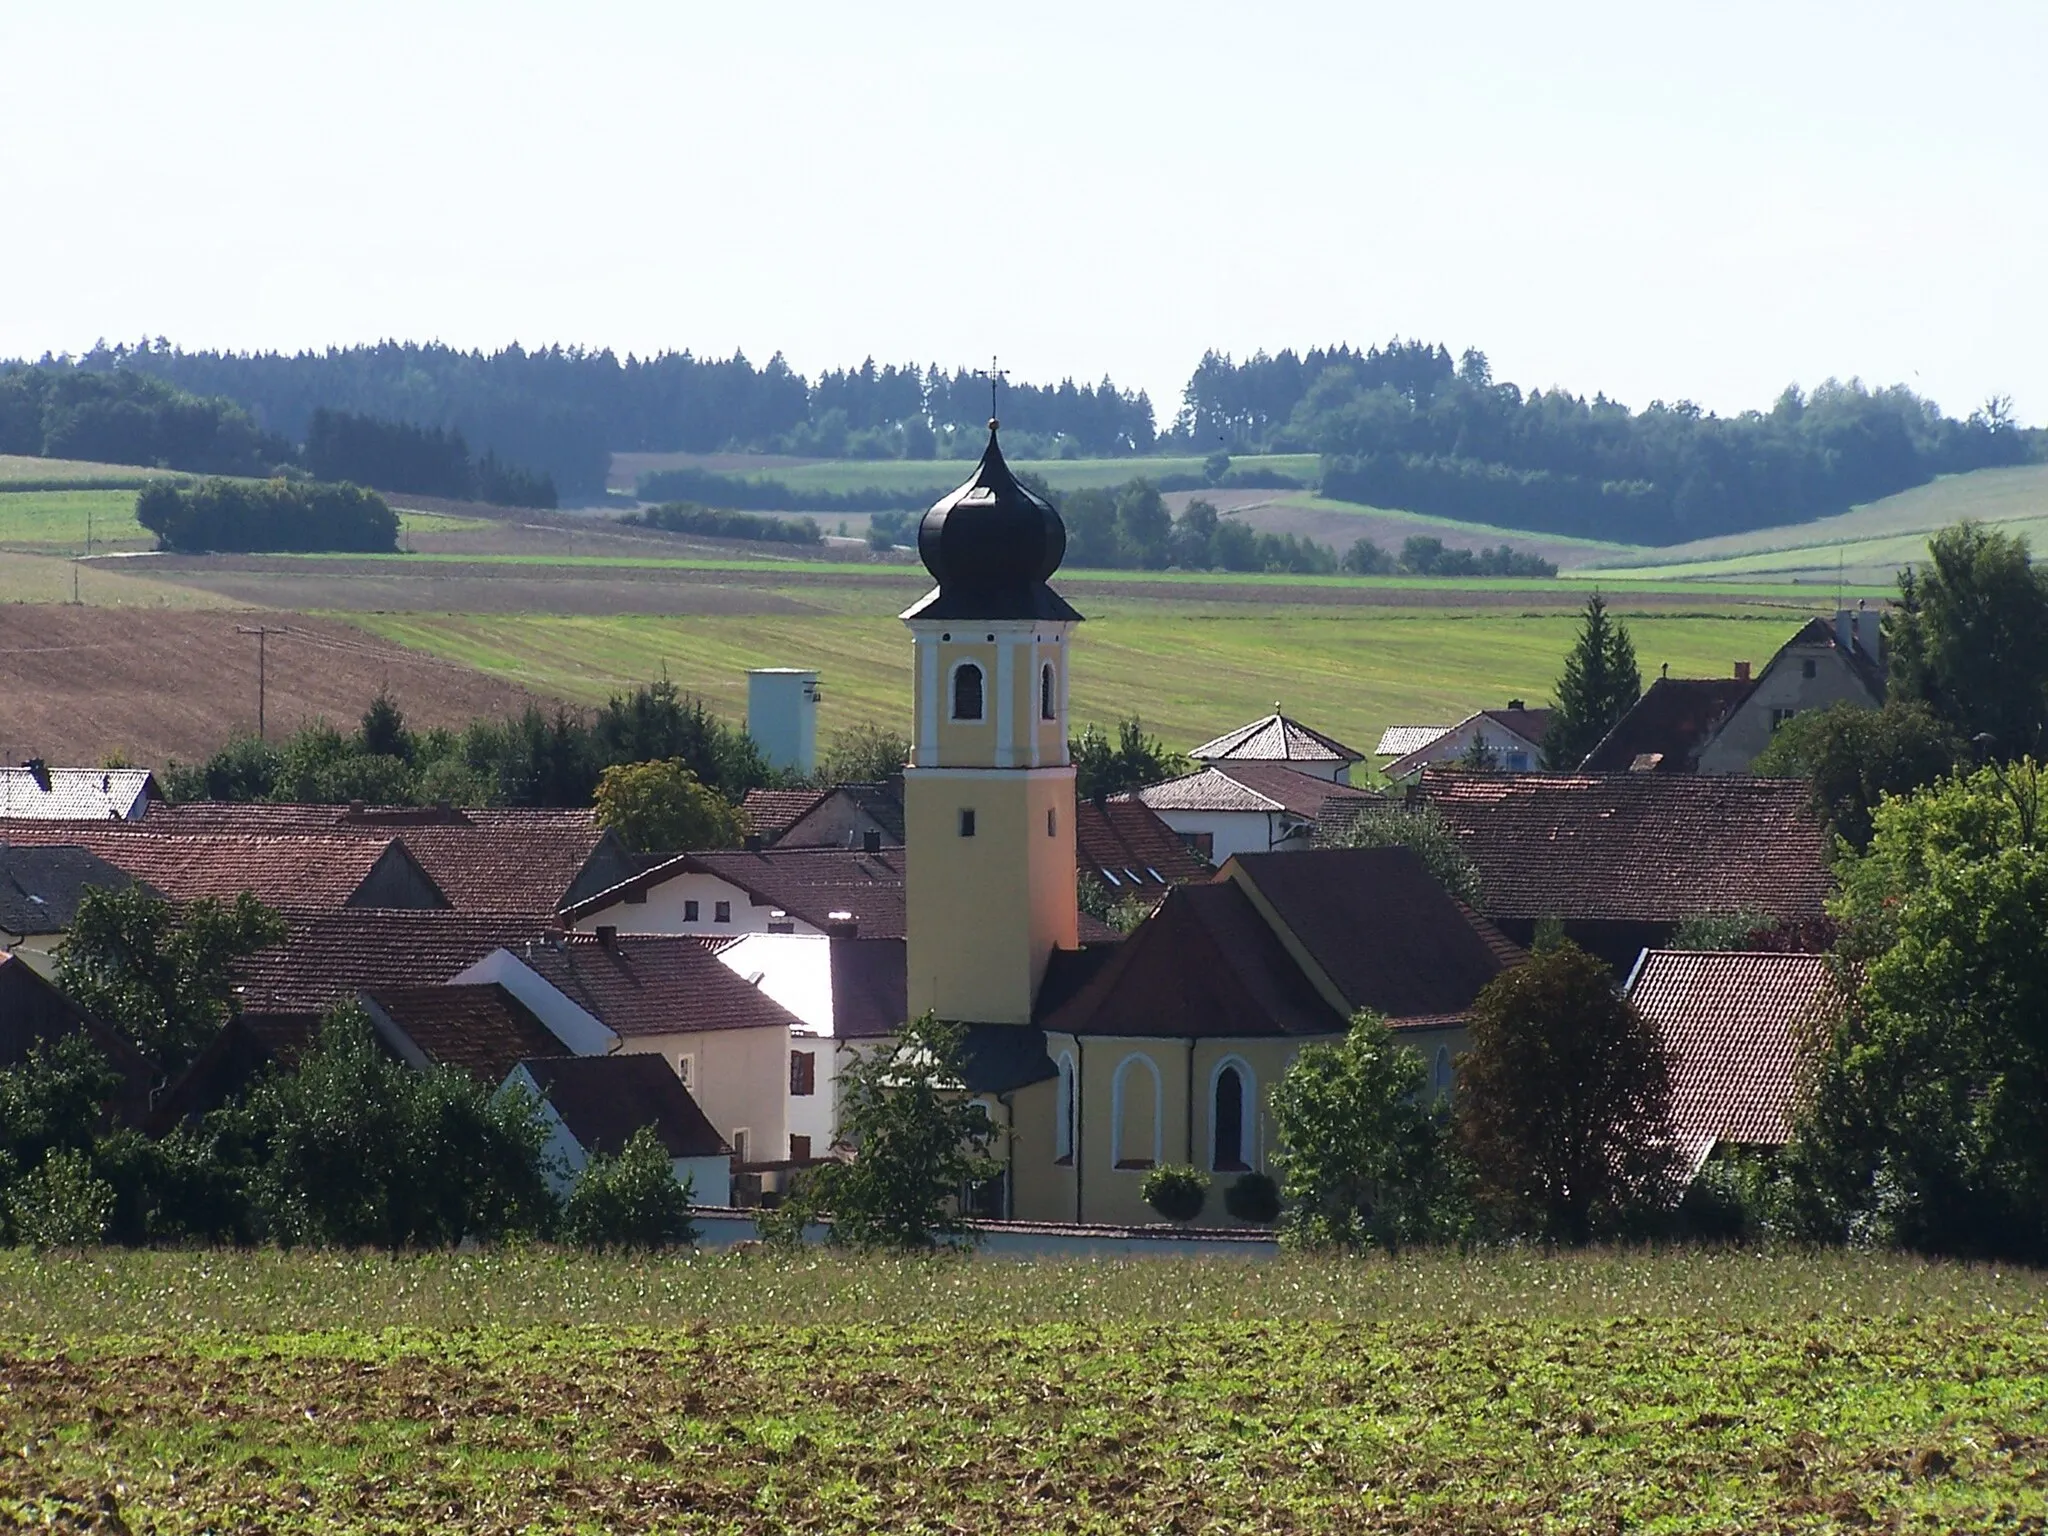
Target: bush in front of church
point(1253, 1197)
point(1176, 1192)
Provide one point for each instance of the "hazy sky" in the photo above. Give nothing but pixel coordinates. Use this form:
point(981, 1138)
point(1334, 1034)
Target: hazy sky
point(1654, 199)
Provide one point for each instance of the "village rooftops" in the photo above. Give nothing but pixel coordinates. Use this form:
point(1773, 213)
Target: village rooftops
point(75, 794)
point(812, 885)
point(840, 988)
point(1512, 738)
point(1636, 848)
point(643, 985)
point(826, 818)
point(1275, 739)
point(41, 886)
point(1125, 845)
point(481, 1029)
point(1400, 740)
point(1257, 787)
point(1731, 1023)
point(291, 873)
point(1665, 728)
point(771, 812)
point(603, 1100)
point(327, 958)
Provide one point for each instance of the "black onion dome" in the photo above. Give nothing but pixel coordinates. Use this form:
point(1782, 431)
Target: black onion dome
point(991, 546)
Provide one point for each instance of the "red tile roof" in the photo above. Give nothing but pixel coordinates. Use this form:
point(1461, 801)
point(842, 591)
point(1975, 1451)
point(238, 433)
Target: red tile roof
point(1636, 847)
point(1670, 723)
point(1529, 724)
point(327, 958)
point(770, 812)
point(1126, 844)
point(1248, 787)
point(603, 1100)
point(641, 985)
point(1732, 1024)
point(1276, 739)
point(483, 1030)
point(292, 872)
point(808, 883)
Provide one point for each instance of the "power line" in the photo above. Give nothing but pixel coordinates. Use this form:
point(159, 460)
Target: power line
point(262, 632)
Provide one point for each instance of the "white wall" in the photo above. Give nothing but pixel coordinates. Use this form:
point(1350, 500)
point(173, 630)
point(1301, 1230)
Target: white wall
point(795, 970)
point(579, 1032)
point(662, 912)
point(1238, 831)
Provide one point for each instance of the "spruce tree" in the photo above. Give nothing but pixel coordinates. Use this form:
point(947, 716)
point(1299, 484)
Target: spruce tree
point(1599, 685)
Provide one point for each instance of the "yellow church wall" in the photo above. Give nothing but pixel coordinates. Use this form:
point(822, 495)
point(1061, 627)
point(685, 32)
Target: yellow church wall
point(1041, 1186)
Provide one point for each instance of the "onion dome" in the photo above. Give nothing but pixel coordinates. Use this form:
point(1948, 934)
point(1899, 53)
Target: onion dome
point(991, 546)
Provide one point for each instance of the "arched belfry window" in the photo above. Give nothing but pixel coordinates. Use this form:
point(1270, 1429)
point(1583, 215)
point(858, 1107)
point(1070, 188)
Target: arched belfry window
point(1047, 693)
point(1230, 1117)
point(1063, 1113)
point(1135, 1123)
point(967, 691)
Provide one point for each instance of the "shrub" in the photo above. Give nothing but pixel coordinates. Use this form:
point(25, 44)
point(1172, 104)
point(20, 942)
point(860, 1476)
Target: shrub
point(1176, 1192)
point(1733, 1199)
point(1253, 1197)
point(62, 1203)
point(632, 1200)
point(268, 514)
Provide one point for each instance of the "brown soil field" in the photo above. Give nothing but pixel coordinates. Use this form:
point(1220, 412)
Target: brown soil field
point(77, 684)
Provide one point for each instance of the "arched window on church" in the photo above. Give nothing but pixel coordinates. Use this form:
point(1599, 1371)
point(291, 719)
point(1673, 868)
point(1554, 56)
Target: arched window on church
point(1440, 1072)
point(1063, 1113)
point(1230, 1118)
point(967, 691)
point(1046, 693)
point(1134, 1095)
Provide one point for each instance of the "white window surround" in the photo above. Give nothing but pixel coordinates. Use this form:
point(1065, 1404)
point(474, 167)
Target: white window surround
point(1063, 1111)
point(953, 693)
point(1248, 1116)
point(1118, 1152)
point(1048, 693)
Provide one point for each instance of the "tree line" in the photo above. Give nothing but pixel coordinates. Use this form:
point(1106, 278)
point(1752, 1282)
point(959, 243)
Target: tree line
point(220, 515)
point(688, 517)
point(424, 461)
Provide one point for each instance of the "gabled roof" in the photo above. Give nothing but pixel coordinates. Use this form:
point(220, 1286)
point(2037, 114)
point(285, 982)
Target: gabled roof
point(1665, 729)
point(291, 873)
point(1257, 787)
point(1275, 739)
point(481, 1029)
point(327, 958)
point(603, 1100)
point(810, 884)
point(530, 861)
point(771, 812)
point(641, 985)
point(75, 794)
point(1384, 935)
point(1732, 1024)
point(33, 1012)
point(1526, 725)
point(1531, 725)
point(1126, 846)
point(1636, 847)
point(1869, 668)
point(1204, 965)
point(41, 886)
point(881, 803)
point(1400, 740)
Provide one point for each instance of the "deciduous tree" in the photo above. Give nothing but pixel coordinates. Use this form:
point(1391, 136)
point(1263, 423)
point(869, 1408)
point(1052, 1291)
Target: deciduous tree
point(663, 807)
point(1856, 756)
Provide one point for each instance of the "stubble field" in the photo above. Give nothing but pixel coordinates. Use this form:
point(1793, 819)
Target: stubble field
point(1507, 1392)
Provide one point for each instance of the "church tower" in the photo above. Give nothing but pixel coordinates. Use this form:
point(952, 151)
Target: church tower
point(988, 797)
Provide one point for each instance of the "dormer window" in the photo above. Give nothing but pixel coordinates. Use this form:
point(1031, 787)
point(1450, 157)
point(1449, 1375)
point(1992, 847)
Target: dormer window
point(967, 691)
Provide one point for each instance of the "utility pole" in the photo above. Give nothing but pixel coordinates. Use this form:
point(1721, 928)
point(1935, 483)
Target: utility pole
point(262, 632)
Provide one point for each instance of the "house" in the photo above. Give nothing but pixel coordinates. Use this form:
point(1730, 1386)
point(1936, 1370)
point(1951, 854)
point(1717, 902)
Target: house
point(1167, 1049)
point(1511, 739)
point(33, 1013)
point(1722, 725)
point(328, 958)
point(1733, 1025)
point(480, 1029)
point(1244, 807)
point(866, 816)
point(40, 889)
point(1129, 848)
point(727, 1041)
point(728, 892)
point(1277, 739)
point(37, 792)
point(593, 1105)
point(291, 873)
point(1622, 859)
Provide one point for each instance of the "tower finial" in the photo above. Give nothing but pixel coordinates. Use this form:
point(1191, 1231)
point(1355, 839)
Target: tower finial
point(995, 377)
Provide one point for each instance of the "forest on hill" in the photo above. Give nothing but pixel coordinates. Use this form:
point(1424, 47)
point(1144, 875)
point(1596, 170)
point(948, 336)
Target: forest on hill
point(1404, 425)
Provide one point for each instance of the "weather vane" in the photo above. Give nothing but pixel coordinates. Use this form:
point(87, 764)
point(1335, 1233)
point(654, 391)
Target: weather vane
point(995, 377)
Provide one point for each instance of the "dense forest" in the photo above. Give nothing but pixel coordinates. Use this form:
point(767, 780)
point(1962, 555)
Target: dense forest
point(1403, 425)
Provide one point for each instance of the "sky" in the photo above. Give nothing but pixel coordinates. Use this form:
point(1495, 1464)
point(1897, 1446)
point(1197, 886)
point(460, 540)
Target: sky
point(1658, 201)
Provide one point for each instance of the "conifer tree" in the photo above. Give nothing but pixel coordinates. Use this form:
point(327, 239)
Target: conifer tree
point(1599, 685)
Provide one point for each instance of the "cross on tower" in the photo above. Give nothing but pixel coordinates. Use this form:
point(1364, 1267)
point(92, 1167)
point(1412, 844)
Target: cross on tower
point(995, 377)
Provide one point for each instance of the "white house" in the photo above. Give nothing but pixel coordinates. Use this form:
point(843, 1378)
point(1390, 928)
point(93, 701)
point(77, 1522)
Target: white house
point(731, 892)
point(1511, 738)
point(1244, 807)
point(1289, 743)
point(592, 1105)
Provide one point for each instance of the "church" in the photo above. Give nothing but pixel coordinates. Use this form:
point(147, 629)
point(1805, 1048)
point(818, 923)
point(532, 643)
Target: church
point(1100, 1062)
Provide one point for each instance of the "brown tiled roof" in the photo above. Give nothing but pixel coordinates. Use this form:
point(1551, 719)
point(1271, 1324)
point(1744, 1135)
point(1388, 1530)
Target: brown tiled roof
point(1377, 924)
point(1731, 1023)
point(1670, 723)
point(509, 860)
point(34, 1012)
point(603, 1100)
point(639, 985)
point(1275, 739)
point(1650, 848)
point(1204, 965)
point(1124, 843)
point(771, 812)
point(870, 988)
point(1248, 787)
point(41, 885)
point(483, 1030)
point(291, 872)
point(808, 883)
point(1529, 724)
point(327, 958)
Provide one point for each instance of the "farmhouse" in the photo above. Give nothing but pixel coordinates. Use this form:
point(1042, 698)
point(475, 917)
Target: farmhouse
point(1277, 739)
point(1510, 740)
point(1245, 807)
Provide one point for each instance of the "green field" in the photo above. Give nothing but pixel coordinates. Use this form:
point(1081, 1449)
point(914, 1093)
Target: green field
point(1680, 1393)
point(1189, 669)
point(839, 476)
point(21, 468)
point(45, 522)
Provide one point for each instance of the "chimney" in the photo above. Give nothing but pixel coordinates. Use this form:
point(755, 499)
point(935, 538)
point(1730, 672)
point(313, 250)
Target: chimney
point(871, 841)
point(1742, 671)
point(607, 936)
point(355, 808)
point(754, 844)
point(1514, 703)
point(842, 925)
point(1845, 632)
point(1869, 638)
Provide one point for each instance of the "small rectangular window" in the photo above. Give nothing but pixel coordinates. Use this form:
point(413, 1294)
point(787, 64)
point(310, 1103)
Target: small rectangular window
point(739, 1145)
point(686, 1068)
point(1780, 716)
point(966, 822)
point(690, 910)
point(799, 1149)
point(803, 1073)
point(782, 927)
point(1052, 823)
point(1809, 668)
point(721, 912)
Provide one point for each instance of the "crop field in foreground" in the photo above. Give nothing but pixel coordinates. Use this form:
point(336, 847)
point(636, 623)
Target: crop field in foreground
point(1510, 1392)
point(1188, 669)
